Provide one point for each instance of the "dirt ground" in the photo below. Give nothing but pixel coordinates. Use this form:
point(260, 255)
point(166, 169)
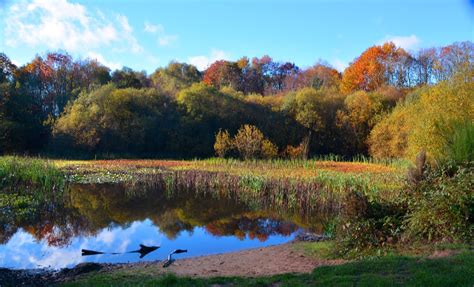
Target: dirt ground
point(251, 262)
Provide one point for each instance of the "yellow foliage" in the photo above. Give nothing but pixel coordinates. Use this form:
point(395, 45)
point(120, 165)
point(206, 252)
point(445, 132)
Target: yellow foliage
point(223, 144)
point(269, 149)
point(419, 124)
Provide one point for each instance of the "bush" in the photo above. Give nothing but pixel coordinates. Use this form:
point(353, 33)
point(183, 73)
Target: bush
point(251, 143)
point(366, 225)
point(294, 152)
point(248, 141)
point(441, 206)
point(269, 150)
point(223, 145)
point(460, 143)
point(422, 121)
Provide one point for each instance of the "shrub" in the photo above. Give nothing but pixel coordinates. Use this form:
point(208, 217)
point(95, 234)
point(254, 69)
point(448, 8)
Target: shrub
point(460, 143)
point(441, 206)
point(294, 152)
point(422, 120)
point(248, 141)
point(223, 145)
point(269, 150)
point(251, 143)
point(366, 225)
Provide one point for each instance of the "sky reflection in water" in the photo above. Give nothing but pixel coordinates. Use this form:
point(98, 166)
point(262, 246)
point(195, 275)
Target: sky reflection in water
point(24, 251)
point(115, 218)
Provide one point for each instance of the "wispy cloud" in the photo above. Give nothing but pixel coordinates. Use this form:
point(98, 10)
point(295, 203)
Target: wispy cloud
point(164, 39)
point(405, 42)
point(202, 62)
point(60, 24)
point(150, 28)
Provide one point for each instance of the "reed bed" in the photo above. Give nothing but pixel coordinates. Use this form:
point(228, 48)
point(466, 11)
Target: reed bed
point(284, 178)
point(30, 173)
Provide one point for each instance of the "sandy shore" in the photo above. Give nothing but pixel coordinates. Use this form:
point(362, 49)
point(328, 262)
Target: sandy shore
point(265, 261)
point(271, 260)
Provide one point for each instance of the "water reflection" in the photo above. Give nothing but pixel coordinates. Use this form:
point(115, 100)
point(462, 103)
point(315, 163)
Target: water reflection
point(119, 217)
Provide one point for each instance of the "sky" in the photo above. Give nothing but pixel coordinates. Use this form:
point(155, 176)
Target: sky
point(145, 35)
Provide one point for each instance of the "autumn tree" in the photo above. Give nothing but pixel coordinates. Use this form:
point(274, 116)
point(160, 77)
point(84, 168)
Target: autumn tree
point(128, 78)
point(175, 77)
point(223, 74)
point(23, 111)
point(421, 121)
point(118, 120)
point(319, 76)
point(358, 118)
point(306, 106)
point(223, 144)
point(375, 67)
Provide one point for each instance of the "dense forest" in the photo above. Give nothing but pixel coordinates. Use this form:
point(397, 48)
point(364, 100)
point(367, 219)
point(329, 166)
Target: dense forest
point(387, 103)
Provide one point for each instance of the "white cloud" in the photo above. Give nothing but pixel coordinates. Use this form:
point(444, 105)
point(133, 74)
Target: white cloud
point(203, 62)
point(405, 42)
point(150, 28)
point(101, 59)
point(164, 39)
point(59, 24)
point(339, 65)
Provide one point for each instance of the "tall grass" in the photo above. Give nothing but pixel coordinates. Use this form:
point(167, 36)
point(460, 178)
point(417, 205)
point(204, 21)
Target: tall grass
point(460, 148)
point(19, 173)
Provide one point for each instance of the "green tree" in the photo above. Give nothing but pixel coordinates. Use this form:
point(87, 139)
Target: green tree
point(175, 77)
point(360, 113)
point(306, 106)
point(119, 120)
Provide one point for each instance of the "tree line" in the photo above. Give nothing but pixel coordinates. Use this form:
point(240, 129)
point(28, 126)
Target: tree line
point(378, 105)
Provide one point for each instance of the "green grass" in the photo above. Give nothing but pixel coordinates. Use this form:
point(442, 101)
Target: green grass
point(456, 270)
point(22, 172)
point(26, 186)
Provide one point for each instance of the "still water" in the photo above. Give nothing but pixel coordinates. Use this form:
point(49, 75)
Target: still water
point(119, 217)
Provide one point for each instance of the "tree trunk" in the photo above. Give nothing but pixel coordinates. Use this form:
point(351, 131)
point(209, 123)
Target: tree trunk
point(306, 144)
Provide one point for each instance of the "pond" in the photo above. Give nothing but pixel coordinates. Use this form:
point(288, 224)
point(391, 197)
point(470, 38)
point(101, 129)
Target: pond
point(119, 217)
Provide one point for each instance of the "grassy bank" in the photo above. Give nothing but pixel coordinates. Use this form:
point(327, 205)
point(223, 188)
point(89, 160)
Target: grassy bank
point(28, 186)
point(29, 173)
point(455, 270)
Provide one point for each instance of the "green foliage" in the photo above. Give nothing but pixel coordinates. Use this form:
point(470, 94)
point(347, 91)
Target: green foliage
point(367, 225)
point(459, 143)
point(175, 77)
point(441, 206)
point(27, 173)
point(359, 115)
point(118, 120)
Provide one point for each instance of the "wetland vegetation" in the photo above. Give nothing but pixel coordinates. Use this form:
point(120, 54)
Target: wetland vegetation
point(377, 159)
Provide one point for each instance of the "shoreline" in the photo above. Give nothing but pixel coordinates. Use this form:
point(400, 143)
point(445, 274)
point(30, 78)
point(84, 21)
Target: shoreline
point(254, 262)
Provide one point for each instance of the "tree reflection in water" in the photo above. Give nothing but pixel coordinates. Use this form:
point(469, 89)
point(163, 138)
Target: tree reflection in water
point(89, 208)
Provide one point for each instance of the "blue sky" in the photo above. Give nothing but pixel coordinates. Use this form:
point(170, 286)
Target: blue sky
point(144, 35)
